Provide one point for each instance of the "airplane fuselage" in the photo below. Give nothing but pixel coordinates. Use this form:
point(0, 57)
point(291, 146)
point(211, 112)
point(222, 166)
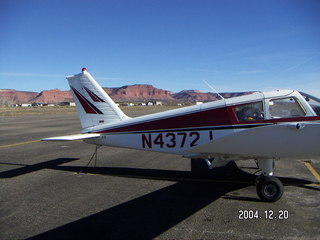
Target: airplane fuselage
point(182, 130)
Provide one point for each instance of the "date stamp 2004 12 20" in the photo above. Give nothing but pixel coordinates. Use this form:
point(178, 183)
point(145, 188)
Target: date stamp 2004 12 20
point(266, 214)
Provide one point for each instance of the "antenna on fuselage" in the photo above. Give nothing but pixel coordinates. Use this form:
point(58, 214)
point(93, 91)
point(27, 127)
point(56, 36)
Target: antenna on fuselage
point(213, 89)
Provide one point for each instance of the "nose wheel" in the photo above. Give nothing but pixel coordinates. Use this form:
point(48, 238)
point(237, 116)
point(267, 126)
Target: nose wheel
point(269, 189)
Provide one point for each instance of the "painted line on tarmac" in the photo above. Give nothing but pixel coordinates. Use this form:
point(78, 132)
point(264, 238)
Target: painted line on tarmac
point(312, 185)
point(313, 171)
point(17, 144)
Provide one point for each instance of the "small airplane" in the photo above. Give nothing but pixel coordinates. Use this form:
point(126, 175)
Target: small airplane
point(264, 126)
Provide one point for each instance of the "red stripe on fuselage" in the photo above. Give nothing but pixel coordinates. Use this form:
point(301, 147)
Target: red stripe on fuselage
point(213, 117)
point(224, 116)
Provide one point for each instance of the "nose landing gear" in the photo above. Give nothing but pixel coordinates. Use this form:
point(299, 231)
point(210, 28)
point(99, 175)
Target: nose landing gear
point(269, 189)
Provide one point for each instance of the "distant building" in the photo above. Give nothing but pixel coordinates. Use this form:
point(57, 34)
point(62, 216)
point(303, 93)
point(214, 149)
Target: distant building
point(23, 105)
point(39, 104)
point(127, 104)
point(71, 104)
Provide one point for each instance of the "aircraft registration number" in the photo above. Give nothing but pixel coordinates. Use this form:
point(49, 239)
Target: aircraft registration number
point(172, 139)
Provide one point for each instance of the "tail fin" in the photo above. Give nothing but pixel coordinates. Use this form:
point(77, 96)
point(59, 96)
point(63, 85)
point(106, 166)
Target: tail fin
point(94, 106)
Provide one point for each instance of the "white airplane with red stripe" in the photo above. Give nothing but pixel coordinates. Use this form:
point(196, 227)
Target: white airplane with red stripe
point(265, 126)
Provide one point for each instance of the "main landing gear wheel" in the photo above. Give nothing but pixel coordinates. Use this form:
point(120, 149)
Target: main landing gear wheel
point(269, 189)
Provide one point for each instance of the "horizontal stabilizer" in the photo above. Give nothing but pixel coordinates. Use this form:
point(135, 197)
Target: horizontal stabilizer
point(72, 137)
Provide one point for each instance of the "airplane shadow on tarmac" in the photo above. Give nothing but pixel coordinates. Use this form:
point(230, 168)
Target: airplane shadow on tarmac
point(142, 218)
point(25, 168)
point(147, 216)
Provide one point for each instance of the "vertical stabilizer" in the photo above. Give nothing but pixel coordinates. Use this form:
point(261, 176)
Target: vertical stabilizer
point(94, 106)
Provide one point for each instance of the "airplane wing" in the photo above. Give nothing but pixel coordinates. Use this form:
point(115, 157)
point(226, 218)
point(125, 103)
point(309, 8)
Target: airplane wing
point(280, 140)
point(73, 137)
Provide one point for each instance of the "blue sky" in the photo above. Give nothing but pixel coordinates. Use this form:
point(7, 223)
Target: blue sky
point(238, 45)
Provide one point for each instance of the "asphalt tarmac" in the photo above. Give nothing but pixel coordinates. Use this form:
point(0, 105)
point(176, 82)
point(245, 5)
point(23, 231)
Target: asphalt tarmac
point(47, 191)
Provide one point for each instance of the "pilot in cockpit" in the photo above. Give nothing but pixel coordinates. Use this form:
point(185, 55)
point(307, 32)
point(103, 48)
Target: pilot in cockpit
point(250, 112)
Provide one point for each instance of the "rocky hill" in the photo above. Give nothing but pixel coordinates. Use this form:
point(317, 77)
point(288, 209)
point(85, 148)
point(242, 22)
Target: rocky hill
point(195, 95)
point(52, 96)
point(132, 93)
point(139, 92)
point(10, 96)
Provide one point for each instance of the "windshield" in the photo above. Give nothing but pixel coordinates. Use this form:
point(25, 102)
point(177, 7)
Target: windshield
point(313, 102)
point(285, 108)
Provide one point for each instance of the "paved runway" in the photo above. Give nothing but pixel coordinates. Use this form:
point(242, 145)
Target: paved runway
point(47, 192)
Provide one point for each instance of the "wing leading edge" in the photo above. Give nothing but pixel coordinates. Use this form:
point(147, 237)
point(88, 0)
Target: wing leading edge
point(73, 137)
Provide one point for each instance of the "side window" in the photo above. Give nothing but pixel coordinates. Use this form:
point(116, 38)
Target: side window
point(249, 112)
point(285, 108)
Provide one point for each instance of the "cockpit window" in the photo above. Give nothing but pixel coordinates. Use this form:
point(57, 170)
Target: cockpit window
point(285, 108)
point(249, 112)
point(313, 102)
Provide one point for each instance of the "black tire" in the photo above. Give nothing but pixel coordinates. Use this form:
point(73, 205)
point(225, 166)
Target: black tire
point(269, 189)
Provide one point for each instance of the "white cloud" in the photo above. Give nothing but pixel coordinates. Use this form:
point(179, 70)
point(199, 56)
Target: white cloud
point(108, 78)
point(31, 75)
point(10, 74)
point(315, 76)
point(251, 72)
point(304, 61)
point(201, 70)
